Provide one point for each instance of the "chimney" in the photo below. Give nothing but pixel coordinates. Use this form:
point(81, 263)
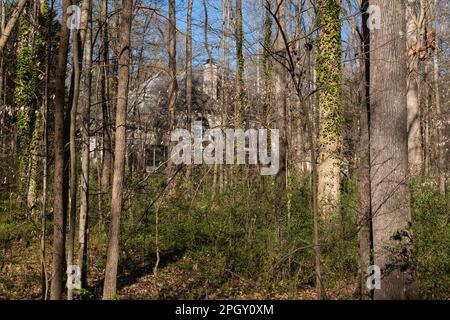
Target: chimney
point(210, 79)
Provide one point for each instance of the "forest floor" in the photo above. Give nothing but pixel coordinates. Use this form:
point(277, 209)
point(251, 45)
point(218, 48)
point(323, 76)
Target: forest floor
point(178, 277)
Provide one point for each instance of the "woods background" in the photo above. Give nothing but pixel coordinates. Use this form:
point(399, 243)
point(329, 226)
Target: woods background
point(91, 90)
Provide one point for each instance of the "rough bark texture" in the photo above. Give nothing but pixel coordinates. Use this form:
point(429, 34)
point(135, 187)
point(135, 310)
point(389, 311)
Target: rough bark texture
point(73, 153)
point(390, 195)
point(412, 96)
point(363, 164)
point(439, 114)
point(85, 162)
point(189, 60)
point(279, 92)
point(112, 260)
point(107, 144)
point(173, 85)
point(268, 66)
point(330, 110)
point(240, 61)
point(59, 202)
point(189, 71)
point(78, 39)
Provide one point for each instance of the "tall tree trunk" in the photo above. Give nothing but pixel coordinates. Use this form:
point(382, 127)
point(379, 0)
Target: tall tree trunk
point(413, 43)
point(240, 62)
point(104, 65)
point(45, 121)
point(2, 77)
point(279, 92)
point(268, 67)
point(85, 158)
point(15, 15)
point(189, 72)
point(363, 165)
point(78, 39)
point(390, 197)
point(59, 202)
point(173, 84)
point(112, 260)
point(28, 101)
point(439, 115)
point(329, 77)
point(73, 183)
point(226, 28)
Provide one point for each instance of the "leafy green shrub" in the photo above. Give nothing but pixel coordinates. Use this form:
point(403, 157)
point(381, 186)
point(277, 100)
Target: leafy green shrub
point(431, 236)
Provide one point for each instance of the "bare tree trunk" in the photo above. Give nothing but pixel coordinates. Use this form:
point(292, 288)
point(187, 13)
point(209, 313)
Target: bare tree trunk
point(268, 66)
point(2, 73)
point(212, 82)
point(440, 147)
point(390, 197)
point(189, 72)
point(173, 85)
point(85, 159)
point(413, 43)
point(107, 144)
point(112, 261)
point(363, 167)
point(44, 274)
point(59, 203)
point(6, 32)
point(78, 39)
point(45, 121)
point(226, 29)
point(2, 27)
point(73, 184)
point(279, 92)
point(240, 62)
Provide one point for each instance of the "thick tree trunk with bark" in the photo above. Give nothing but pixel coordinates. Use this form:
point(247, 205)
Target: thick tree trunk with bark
point(329, 77)
point(112, 260)
point(413, 43)
point(59, 202)
point(390, 197)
